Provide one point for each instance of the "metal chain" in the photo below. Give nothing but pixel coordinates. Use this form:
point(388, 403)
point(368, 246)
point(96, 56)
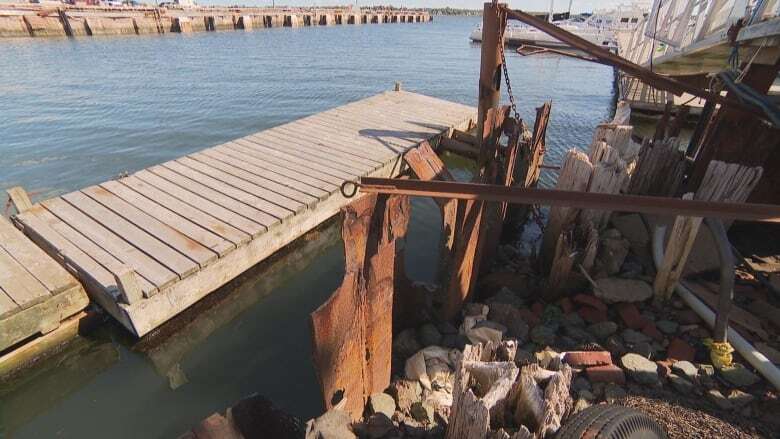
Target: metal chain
point(504, 68)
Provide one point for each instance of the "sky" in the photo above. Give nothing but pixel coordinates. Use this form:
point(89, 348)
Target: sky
point(533, 5)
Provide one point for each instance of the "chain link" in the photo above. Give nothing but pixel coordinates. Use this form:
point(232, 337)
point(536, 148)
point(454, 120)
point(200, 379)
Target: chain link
point(502, 23)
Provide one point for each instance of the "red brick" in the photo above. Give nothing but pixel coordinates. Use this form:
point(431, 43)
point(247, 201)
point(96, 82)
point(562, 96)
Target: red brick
point(592, 315)
point(592, 301)
point(687, 317)
point(630, 315)
point(537, 308)
point(680, 350)
point(587, 358)
point(528, 317)
point(606, 374)
point(651, 331)
point(566, 305)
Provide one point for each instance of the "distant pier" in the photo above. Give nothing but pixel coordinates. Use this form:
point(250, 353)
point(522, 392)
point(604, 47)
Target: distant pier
point(30, 20)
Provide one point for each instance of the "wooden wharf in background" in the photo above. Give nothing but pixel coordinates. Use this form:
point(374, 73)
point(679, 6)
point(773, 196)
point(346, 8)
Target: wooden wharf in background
point(149, 245)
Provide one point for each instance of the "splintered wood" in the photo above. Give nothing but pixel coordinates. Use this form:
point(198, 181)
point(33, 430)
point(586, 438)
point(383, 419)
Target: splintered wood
point(352, 331)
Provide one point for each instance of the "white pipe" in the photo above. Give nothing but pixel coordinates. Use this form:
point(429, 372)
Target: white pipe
point(753, 356)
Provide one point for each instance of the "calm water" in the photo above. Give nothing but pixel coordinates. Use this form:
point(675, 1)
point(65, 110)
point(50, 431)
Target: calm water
point(77, 112)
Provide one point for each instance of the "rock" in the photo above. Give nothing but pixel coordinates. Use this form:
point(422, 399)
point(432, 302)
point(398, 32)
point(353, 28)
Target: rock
point(680, 350)
point(719, 400)
point(484, 334)
point(644, 349)
point(686, 369)
point(572, 319)
point(405, 343)
point(668, 327)
point(524, 357)
point(507, 297)
point(651, 331)
point(510, 318)
point(739, 399)
point(379, 426)
point(586, 395)
point(428, 335)
point(405, 392)
point(603, 330)
point(567, 306)
point(640, 368)
point(578, 334)
point(591, 301)
point(475, 309)
point(611, 254)
point(630, 315)
point(617, 290)
point(605, 374)
point(455, 341)
point(681, 384)
point(422, 412)
point(334, 424)
point(580, 383)
point(446, 328)
point(633, 337)
point(592, 315)
point(543, 335)
point(381, 403)
point(614, 344)
point(613, 392)
point(581, 405)
point(687, 317)
point(739, 376)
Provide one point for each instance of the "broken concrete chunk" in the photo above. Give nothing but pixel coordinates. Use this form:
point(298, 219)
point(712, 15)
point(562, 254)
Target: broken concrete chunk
point(381, 403)
point(422, 412)
point(616, 290)
point(405, 393)
point(334, 424)
point(739, 376)
point(640, 368)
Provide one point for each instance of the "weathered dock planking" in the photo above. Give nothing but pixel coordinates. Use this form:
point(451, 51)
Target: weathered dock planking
point(36, 293)
point(149, 245)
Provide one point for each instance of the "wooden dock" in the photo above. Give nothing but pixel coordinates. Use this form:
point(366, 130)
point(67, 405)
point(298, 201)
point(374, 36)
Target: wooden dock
point(36, 293)
point(149, 245)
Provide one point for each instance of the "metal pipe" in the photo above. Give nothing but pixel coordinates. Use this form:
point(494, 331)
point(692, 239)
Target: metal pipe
point(754, 357)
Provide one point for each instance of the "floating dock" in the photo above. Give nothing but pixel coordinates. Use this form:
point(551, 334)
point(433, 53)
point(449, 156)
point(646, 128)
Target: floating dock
point(29, 20)
point(149, 245)
point(36, 293)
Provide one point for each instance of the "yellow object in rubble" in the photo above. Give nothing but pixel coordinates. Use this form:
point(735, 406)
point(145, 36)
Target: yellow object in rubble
point(720, 353)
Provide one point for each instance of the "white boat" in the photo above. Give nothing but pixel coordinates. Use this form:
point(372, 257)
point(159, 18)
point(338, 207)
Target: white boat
point(598, 28)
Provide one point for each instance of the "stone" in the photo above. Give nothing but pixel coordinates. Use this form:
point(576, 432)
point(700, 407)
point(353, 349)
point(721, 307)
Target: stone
point(484, 334)
point(567, 306)
point(524, 357)
point(680, 350)
point(379, 426)
point(455, 341)
point(591, 301)
point(537, 308)
point(507, 297)
point(592, 315)
point(618, 290)
point(405, 343)
point(586, 395)
point(511, 318)
point(739, 399)
point(630, 316)
point(686, 369)
point(475, 309)
point(668, 327)
point(644, 349)
point(428, 335)
point(613, 392)
point(606, 374)
point(529, 317)
point(651, 331)
point(640, 368)
point(739, 376)
point(405, 392)
point(381, 403)
point(633, 337)
point(334, 424)
point(587, 358)
point(614, 344)
point(543, 335)
point(580, 383)
point(632, 227)
point(603, 330)
point(719, 400)
point(572, 319)
point(446, 328)
point(681, 384)
point(611, 254)
point(687, 317)
point(422, 412)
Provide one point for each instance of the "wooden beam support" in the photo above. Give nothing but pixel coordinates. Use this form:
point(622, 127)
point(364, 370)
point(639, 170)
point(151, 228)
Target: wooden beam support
point(19, 198)
point(127, 283)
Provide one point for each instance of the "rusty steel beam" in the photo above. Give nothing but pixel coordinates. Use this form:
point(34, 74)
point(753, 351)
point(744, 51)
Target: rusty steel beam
point(604, 56)
point(581, 200)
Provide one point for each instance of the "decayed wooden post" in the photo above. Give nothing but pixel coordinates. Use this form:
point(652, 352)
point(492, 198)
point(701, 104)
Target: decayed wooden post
point(493, 21)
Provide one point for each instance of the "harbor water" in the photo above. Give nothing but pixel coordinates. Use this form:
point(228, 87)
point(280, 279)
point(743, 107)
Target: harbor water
point(76, 112)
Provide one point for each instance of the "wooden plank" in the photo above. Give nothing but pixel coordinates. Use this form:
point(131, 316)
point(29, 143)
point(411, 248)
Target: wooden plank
point(7, 306)
point(259, 148)
point(328, 131)
point(324, 140)
point(40, 226)
point(236, 206)
point(273, 212)
point(166, 234)
point(197, 201)
point(19, 284)
point(260, 190)
point(282, 179)
point(184, 210)
point(136, 236)
point(171, 219)
point(324, 181)
point(151, 270)
point(259, 180)
point(33, 259)
point(285, 144)
point(305, 141)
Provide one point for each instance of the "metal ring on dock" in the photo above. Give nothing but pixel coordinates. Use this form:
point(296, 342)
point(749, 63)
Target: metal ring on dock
point(355, 186)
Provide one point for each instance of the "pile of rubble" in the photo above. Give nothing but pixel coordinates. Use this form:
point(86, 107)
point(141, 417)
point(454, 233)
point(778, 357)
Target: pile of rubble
point(527, 364)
